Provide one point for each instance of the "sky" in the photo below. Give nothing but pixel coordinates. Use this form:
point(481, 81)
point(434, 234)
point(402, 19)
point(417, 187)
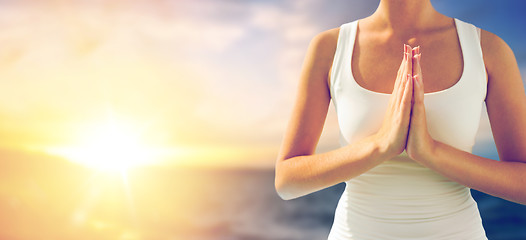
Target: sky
point(208, 83)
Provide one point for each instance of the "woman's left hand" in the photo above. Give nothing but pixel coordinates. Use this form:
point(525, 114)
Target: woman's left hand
point(419, 142)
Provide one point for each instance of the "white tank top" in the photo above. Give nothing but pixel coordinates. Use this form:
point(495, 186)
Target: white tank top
point(401, 199)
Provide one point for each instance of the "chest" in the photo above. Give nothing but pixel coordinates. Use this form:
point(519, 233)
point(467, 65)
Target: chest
point(376, 59)
point(452, 114)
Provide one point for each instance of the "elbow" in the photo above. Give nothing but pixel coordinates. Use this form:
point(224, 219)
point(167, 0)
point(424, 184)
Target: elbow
point(283, 186)
point(282, 190)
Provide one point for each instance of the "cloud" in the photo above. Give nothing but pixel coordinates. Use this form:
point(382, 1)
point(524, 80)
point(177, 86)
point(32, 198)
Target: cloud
point(216, 72)
point(184, 76)
point(199, 34)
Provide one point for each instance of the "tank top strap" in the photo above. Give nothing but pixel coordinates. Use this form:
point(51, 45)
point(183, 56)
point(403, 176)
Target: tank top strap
point(474, 69)
point(343, 55)
point(346, 40)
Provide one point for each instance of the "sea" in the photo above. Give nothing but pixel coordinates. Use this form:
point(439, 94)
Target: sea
point(54, 199)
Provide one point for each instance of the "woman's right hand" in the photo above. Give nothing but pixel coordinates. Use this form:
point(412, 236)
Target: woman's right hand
point(392, 136)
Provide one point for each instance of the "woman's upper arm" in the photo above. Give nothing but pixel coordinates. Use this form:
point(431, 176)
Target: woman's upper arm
point(312, 99)
point(505, 99)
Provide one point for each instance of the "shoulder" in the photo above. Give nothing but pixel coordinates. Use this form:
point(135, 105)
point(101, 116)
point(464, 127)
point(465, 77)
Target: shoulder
point(504, 79)
point(497, 54)
point(327, 37)
point(493, 44)
point(323, 45)
point(320, 53)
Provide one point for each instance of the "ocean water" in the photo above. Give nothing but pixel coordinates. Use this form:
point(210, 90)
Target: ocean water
point(52, 199)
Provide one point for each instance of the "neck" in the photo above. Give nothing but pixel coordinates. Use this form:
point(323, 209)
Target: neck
point(404, 15)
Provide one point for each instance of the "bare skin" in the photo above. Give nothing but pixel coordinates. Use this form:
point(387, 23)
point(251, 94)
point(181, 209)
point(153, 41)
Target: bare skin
point(376, 66)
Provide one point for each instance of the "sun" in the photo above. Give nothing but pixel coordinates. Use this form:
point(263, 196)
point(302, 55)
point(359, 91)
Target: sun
point(110, 146)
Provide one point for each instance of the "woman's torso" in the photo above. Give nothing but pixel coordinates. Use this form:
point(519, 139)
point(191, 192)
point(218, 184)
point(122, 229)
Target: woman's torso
point(401, 199)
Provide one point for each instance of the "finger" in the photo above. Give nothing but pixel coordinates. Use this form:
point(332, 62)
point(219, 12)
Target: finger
point(399, 91)
point(405, 104)
point(400, 70)
point(409, 69)
point(418, 66)
point(417, 70)
point(419, 90)
point(406, 70)
point(405, 58)
point(416, 61)
point(416, 50)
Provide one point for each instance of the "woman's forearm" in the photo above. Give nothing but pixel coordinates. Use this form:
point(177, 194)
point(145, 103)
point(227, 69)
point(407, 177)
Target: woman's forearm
point(301, 175)
point(504, 179)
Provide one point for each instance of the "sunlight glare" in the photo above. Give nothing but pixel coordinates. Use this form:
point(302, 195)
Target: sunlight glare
point(112, 146)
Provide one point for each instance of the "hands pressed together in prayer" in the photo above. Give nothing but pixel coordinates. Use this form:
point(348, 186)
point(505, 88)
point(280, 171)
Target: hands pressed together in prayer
point(404, 126)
